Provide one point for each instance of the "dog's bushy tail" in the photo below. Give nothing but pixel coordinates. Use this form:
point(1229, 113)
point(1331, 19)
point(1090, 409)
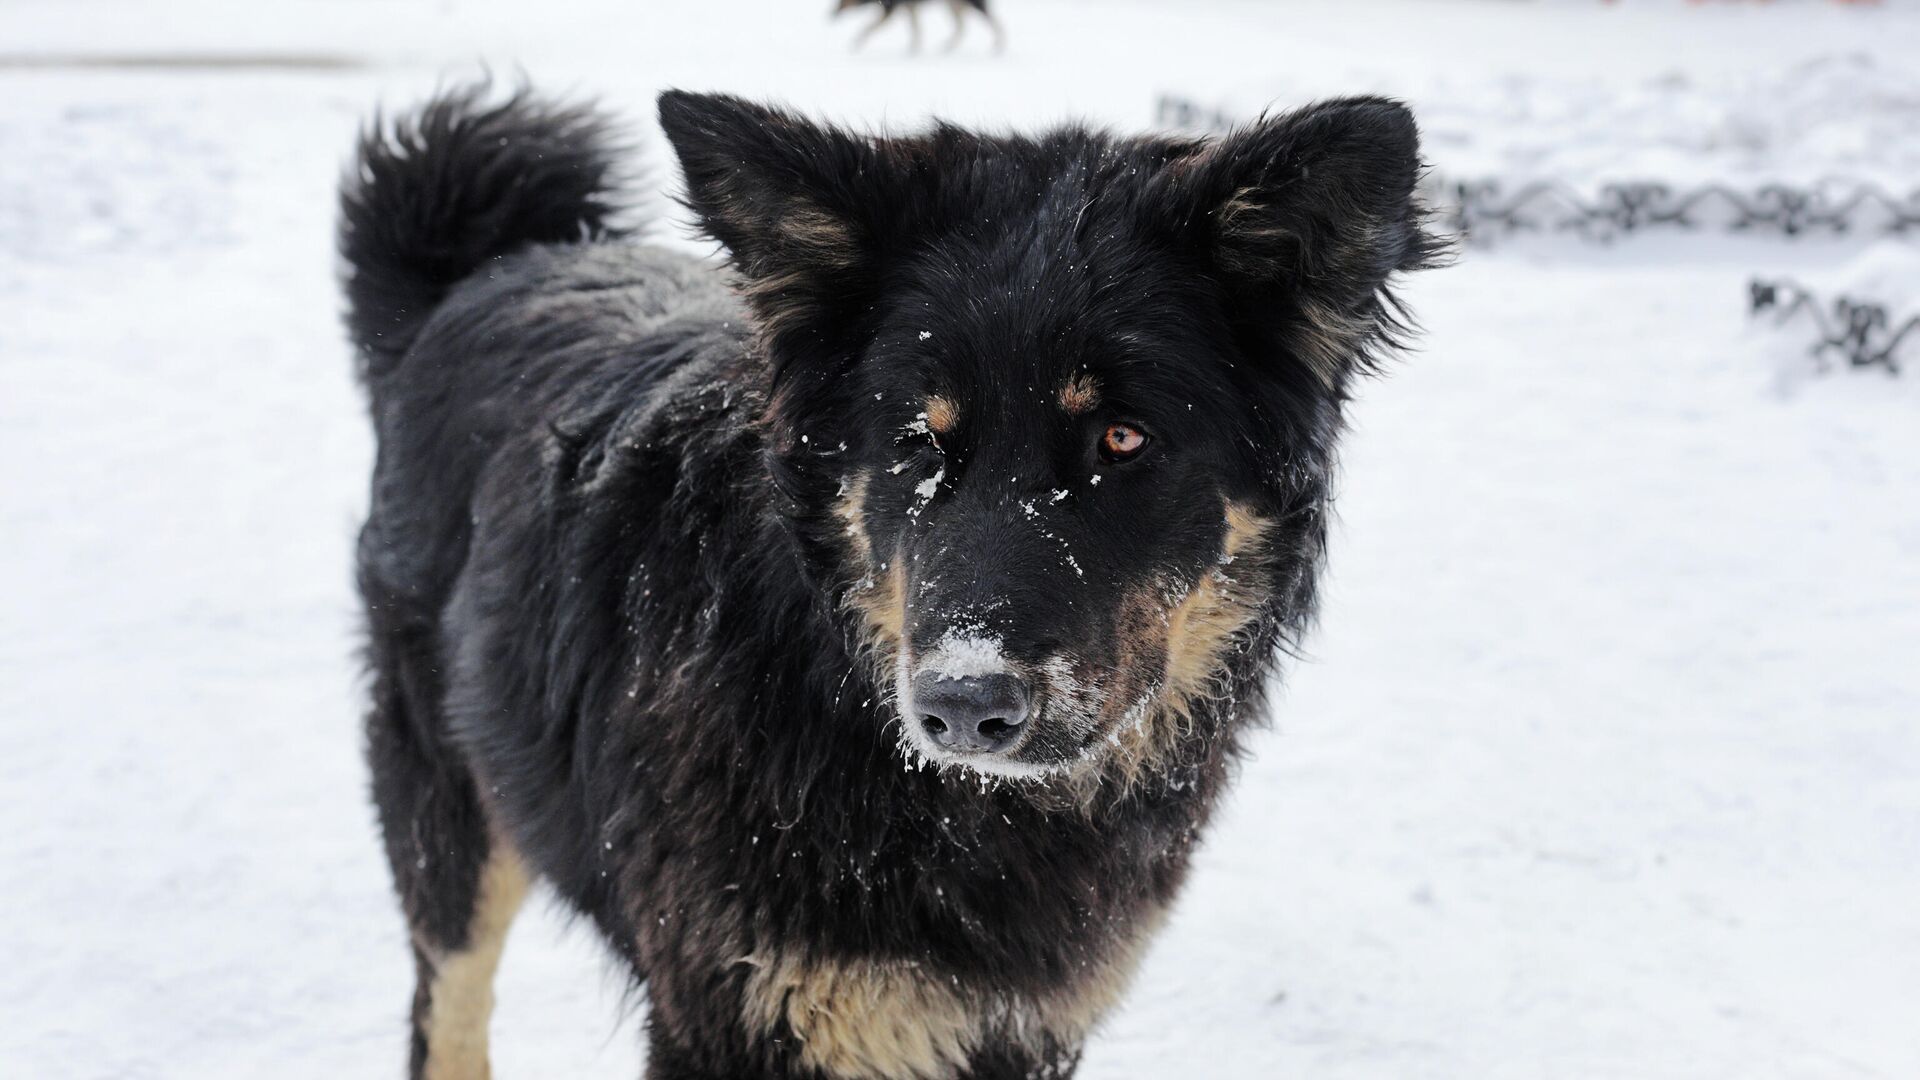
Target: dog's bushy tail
point(463, 180)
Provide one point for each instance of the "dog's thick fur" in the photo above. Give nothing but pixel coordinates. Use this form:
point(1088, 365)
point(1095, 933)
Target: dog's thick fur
point(655, 552)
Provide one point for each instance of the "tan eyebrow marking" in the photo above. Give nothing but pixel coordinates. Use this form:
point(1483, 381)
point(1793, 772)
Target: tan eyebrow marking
point(1079, 394)
point(942, 415)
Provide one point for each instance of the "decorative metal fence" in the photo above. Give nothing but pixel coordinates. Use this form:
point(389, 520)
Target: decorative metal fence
point(1481, 210)
point(1861, 332)
point(1485, 210)
point(1178, 113)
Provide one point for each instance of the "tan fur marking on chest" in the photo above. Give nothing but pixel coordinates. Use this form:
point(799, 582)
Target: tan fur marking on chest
point(864, 1020)
point(873, 1020)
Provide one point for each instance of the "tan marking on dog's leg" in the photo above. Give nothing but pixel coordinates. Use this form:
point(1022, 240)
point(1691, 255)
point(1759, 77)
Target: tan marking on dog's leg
point(863, 1019)
point(460, 997)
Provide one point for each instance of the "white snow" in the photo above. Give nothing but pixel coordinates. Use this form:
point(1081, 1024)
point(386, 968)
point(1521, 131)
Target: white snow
point(1849, 114)
point(964, 655)
point(1604, 763)
point(923, 491)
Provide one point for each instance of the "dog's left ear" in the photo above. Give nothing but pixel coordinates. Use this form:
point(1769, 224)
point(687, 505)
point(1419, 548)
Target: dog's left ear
point(791, 201)
point(1306, 218)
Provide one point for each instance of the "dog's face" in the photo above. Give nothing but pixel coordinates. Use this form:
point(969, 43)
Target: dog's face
point(1041, 496)
point(1058, 412)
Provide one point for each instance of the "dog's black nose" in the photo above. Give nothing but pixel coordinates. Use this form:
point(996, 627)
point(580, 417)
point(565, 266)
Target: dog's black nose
point(975, 714)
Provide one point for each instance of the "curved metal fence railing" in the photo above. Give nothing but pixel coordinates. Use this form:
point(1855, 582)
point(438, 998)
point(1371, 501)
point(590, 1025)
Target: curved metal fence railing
point(1484, 210)
point(1861, 332)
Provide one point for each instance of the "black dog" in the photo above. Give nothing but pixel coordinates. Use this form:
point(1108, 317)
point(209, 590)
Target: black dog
point(959, 8)
point(860, 640)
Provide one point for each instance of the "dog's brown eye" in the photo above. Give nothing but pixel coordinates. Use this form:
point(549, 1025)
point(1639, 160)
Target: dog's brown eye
point(1121, 442)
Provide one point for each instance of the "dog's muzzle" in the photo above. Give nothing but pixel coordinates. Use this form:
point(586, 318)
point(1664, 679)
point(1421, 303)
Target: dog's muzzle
point(973, 714)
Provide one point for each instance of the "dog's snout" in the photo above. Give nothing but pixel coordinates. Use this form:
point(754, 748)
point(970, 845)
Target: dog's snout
point(980, 714)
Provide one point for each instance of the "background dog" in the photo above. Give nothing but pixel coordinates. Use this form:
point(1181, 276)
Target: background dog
point(959, 8)
point(860, 642)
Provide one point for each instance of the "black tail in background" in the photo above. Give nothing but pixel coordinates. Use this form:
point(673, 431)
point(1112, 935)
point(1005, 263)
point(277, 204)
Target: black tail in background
point(433, 195)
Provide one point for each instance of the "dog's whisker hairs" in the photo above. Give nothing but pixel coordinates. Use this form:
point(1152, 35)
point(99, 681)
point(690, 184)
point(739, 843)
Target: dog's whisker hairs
point(858, 634)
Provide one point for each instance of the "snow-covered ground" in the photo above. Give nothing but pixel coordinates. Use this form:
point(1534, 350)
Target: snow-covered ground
point(1606, 762)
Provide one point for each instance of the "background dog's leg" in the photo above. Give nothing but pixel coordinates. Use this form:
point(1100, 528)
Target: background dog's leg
point(913, 28)
point(999, 33)
point(458, 883)
point(959, 9)
point(872, 27)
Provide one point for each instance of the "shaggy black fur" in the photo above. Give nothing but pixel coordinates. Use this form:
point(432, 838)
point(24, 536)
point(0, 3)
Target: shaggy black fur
point(650, 561)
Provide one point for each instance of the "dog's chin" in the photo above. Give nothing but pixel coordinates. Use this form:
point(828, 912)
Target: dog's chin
point(922, 753)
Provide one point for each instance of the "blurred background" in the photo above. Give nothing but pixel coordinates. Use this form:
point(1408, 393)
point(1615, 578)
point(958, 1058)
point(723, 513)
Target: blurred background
point(1605, 761)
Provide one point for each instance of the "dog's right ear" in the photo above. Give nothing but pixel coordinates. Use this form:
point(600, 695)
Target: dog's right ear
point(1308, 218)
point(787, 198)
